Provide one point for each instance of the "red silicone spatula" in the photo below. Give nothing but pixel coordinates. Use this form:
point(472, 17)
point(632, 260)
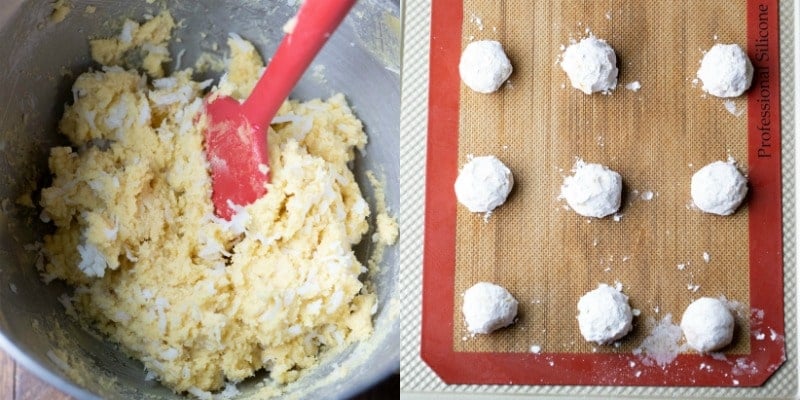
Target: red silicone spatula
point(236, 136)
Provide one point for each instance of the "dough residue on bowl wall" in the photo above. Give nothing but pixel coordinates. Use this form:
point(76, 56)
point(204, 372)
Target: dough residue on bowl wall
point(199, 300)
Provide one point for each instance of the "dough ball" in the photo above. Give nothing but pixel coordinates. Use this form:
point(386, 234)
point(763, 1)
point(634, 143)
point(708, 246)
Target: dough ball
point(718, 188)
point(707, 324)
point(484, 66)
point(488, 307)
point(604, 315)
point(591, 65)
point(483, 184)
point(593, 191)
point(725, 71)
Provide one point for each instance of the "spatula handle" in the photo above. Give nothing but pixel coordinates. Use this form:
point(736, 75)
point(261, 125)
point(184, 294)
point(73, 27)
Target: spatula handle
point(316, 22)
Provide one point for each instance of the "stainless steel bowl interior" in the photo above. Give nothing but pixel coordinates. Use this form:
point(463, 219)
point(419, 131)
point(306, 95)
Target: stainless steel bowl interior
point(40, 60)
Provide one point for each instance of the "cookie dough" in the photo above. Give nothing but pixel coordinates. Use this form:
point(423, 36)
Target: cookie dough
point(718, 188)
point(483, 184)
point(725, 71)
point(593, 190)
point(488, 307)
point(200, 300)
point(484, 66)
point(591, 65)
point(707, 324)
point(604, 315)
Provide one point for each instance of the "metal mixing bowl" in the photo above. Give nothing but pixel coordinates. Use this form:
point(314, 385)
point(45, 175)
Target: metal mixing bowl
point(39, 61)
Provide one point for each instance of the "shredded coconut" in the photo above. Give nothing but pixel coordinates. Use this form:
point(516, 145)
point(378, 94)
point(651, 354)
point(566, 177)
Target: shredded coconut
point(58, 361)
point(198, 300)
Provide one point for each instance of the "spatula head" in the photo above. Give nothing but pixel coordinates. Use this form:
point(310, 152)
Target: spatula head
point(236, 150)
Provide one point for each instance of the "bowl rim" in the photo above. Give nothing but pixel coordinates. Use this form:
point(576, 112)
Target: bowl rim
point(35, 367)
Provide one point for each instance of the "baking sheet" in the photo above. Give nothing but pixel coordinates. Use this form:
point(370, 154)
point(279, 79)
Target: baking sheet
point(656, 138)
point(550, 90)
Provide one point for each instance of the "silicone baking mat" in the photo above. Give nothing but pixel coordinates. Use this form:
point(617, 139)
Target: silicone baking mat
point(664, 253)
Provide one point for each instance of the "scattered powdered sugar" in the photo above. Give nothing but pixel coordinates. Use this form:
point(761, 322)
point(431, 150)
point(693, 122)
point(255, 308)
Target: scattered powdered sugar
point(633, 86)
point(661, 346)
point(706, 257)
point(731, 107)
point(744, 366)
point(601, 141)
point(647, 195)
point(536, 349)
point(478, 21)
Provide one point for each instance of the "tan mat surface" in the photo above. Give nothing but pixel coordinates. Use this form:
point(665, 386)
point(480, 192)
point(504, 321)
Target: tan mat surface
point(656, 138)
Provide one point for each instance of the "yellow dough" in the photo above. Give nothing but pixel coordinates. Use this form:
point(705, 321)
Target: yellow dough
point(199, 300)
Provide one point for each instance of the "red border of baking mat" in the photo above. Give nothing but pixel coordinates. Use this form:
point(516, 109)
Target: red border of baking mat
point(766, 257)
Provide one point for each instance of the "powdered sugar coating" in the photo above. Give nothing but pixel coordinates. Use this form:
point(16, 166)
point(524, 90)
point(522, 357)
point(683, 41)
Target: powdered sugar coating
point(483, 184)
point(725, 71)
point(718, 188)
point(591, 65)
point(707, 324)
point(593, 191)
point(604, 315)
point(484, 66)
point(488, 307)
